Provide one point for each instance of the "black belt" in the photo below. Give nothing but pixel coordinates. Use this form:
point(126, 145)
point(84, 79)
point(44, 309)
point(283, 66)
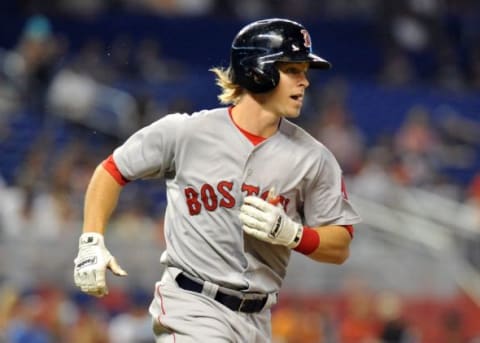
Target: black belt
point(231, 301)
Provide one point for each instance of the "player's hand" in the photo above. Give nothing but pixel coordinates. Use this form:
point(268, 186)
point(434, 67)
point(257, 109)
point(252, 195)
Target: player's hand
point(268, 222)
point(91, 263)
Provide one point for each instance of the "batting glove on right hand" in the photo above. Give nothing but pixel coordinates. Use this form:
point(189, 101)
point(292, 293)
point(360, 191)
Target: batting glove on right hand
point(91, 263)
point(269, 223)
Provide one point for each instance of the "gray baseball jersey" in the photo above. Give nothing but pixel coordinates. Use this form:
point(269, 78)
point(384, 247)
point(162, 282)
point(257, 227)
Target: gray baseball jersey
point(209, 167)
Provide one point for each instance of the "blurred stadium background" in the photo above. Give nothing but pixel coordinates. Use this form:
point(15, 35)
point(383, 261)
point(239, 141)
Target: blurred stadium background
point(400, 109)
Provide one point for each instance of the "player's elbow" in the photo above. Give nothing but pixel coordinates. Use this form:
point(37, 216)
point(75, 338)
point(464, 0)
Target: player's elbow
point(342, 256)
point(340, 250)
point(337, 256)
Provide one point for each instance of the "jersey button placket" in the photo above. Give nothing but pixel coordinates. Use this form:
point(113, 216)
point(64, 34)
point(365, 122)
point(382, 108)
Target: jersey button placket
point(247, 169)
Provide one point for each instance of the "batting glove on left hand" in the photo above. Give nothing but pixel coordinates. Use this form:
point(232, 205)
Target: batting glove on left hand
point(91, 263)
point(269, 223)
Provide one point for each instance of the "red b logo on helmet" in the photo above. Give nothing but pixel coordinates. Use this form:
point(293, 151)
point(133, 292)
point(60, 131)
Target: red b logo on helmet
point(306, 39)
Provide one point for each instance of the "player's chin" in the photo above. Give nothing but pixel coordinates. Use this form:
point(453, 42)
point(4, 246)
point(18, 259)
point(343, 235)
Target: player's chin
point(293, 113)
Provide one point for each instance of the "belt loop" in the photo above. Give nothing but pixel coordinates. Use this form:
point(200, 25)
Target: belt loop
point(240, 307)
point(209, 289)
point(272, 299)
point(172, 272)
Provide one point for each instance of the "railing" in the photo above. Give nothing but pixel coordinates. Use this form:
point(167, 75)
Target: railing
point(433, 223)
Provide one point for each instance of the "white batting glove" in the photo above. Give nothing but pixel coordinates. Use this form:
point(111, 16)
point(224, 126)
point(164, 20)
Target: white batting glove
point(91, 263)
point(269, 223)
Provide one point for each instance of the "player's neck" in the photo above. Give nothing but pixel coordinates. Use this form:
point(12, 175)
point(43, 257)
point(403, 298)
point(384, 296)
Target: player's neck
point(252, 117)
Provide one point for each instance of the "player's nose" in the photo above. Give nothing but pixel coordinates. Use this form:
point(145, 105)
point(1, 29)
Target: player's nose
point(304, 80)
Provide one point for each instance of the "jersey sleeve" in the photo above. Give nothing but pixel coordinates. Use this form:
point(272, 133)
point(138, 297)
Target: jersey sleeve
point(326, 201)
point(149, 152)
point(111, 167)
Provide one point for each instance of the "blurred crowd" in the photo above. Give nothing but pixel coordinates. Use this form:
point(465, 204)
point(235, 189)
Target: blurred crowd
point(441, 33)
point(48, 314)
point(80, 112)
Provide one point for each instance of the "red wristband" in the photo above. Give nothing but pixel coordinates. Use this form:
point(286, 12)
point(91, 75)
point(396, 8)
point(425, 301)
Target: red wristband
point(309, 242)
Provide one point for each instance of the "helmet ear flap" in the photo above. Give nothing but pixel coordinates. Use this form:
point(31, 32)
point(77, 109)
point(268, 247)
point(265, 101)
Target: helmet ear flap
point(266, 78)
point(258, 79)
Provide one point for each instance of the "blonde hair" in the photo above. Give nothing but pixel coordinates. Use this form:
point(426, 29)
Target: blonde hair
point(231, 92)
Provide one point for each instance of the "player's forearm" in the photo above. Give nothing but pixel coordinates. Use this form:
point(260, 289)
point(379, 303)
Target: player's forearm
point(100, 200)
point(333, 246)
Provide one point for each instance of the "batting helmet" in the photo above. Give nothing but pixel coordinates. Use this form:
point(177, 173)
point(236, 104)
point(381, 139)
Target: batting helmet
point(260, 44)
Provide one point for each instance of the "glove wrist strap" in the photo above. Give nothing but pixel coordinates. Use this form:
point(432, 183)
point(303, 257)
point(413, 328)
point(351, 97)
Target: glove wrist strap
point(309, 242)
point(90, 238)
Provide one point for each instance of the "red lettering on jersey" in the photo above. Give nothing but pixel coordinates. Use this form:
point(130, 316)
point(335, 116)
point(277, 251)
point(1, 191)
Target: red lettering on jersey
point(224, 188)
point(251, 190)
point(209, 197)
point(264, 195)
point(194, 206)
point(284, 201)
point(281, 199)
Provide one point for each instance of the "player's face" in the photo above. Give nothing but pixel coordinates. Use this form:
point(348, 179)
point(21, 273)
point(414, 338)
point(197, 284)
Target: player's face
point(287, 98)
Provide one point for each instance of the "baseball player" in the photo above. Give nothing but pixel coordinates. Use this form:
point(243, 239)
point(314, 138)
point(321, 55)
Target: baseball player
point(245, 188)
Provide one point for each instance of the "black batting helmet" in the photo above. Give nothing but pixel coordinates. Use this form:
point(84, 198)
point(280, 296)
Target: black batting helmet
point(260, 44)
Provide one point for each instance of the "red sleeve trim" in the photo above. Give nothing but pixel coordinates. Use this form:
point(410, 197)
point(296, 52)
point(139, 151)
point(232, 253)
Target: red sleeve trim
point(350, 229)
point(111, 167)
point(309, 242)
